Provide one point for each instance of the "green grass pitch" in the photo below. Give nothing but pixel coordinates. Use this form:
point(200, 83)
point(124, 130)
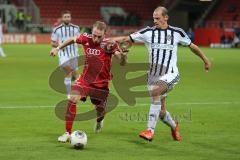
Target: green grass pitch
point(207, 105)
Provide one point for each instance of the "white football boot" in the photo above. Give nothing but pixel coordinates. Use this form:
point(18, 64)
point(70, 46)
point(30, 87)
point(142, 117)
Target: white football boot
point(98, 127)
point(64, 138)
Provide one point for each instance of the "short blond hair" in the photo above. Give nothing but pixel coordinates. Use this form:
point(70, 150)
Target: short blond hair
point(100, 25)
point(163, 9)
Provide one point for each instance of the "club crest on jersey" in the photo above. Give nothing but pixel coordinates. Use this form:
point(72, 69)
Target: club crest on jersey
point(92, 51)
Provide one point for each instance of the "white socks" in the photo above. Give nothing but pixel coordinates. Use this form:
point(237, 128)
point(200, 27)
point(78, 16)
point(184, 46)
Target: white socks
point(167, 119)
point(67, 82)
point(153, 115)
point(2, 53)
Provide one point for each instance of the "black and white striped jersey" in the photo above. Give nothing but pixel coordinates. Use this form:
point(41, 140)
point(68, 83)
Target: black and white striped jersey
point(63, 32)
point(162, 47)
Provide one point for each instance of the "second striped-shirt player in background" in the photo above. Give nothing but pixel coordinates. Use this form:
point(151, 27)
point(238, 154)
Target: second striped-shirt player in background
point(162, 41)
point(2, 54)
point(68, 57)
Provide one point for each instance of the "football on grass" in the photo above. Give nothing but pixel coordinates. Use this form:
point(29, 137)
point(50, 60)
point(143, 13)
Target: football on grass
point(78, 139)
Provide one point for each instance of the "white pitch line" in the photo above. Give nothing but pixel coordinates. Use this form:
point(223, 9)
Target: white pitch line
point(203, 103)
point(22, 107)
point(125, 105)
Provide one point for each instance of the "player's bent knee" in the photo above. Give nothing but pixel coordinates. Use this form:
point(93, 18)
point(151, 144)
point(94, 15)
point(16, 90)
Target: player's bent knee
point(100, 109)
point(68, 71)
point(96, 101)
point(74, 98)
point(156, 92)
point(155, 99)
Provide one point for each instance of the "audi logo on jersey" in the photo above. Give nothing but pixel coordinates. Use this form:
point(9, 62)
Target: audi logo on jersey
point(95, 52)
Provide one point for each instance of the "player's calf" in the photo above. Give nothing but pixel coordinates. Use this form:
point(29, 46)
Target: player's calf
point(100, 114)
point(166, 118)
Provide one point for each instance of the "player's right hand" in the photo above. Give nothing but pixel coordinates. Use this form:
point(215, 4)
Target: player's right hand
point(54, 52)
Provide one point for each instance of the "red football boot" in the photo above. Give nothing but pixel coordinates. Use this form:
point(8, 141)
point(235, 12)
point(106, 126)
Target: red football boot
point(147, 135)
point(175, 133)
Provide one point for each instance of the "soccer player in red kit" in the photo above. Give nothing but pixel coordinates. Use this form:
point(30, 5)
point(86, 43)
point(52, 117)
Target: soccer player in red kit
point(94, 80)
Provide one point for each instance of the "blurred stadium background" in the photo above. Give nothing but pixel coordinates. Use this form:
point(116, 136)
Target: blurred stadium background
point(207, 105)
point(217, 20)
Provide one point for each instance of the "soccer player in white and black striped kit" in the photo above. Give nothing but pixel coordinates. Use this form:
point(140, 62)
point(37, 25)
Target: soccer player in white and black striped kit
point(162, 41)
point(68, 57)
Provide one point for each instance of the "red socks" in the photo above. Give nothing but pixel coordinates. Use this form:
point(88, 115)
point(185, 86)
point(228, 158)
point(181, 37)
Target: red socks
point(70, 115)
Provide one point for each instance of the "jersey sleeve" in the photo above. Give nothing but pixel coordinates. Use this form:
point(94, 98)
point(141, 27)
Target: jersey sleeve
point(184, 39)
point(139, 36)
point(54, 36)
point(82, 38)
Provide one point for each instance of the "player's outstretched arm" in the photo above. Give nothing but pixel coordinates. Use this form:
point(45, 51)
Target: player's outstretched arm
point(124, 42)
point(121, 39)
point(69, 41)
point(195, 49)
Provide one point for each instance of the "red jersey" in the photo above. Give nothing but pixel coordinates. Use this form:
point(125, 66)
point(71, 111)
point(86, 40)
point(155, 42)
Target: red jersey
point(97, 64)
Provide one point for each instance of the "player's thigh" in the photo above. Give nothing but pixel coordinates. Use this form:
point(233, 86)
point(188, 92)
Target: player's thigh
point(68, 71)
point(157, 89)
point(74, 96)
point(99, 98)
point(65, 65)
point(171, 79)
point(74, 63)
point(159, 86)
point(78, 92)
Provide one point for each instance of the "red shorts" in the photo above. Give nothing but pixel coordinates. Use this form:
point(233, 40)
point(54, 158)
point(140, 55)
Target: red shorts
point(97, 93)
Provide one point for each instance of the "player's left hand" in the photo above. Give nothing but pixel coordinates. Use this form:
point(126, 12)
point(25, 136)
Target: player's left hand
point(54, 52)
point(125, 45)
point(207, 65)
point(125, 52)
point(109, 47)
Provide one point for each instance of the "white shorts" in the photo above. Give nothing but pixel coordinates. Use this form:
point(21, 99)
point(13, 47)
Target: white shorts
point(66, 61)
point(171, 79)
